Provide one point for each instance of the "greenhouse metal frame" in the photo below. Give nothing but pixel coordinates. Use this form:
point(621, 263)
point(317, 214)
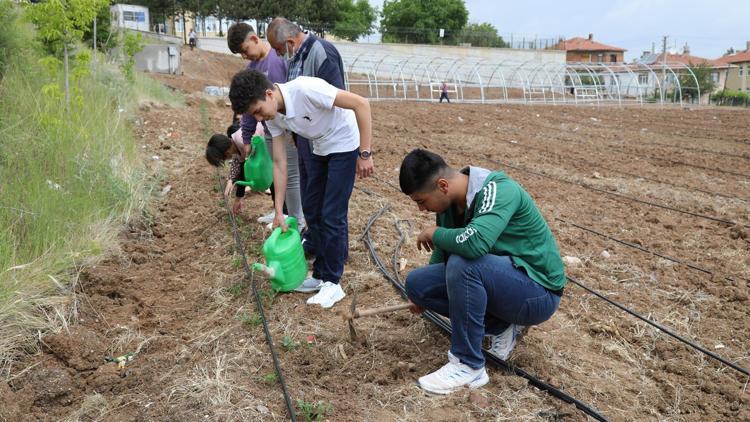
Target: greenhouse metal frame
point(418, 78)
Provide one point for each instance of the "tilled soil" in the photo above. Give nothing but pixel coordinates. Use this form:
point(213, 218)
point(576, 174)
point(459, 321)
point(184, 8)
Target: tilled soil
point(176, 295)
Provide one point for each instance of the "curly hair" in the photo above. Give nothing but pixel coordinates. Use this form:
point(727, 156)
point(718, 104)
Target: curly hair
point(247, 88)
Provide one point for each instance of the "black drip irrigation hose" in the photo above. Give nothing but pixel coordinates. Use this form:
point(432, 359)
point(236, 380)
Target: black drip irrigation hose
point(661, 328)
point(701, 150)
point(619, 195)
point(259, 304)
point(651, 157)
point(642, 249)
point(637, 176)
point(437, 320)
point(601, 296)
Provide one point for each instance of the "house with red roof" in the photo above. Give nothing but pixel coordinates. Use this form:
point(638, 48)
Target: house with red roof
point(719, 70)
point(738, 75)
point(587, 50)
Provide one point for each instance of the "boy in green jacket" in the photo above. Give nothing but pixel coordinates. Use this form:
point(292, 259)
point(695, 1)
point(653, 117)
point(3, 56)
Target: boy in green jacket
point(495, 267)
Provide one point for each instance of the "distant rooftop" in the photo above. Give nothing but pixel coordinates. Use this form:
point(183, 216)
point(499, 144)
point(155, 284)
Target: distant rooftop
point(741, 57)
point(585, 44)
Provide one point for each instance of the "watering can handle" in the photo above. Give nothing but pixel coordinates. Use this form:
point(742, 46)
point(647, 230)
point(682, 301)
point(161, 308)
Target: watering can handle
point(291, 224)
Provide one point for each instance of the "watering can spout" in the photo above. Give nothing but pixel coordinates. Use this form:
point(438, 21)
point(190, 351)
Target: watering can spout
point(269, 271)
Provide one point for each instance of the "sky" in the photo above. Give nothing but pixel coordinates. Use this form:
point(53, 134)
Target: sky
point(709, 27)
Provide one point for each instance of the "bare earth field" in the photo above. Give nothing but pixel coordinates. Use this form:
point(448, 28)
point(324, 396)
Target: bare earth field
point(175, 291)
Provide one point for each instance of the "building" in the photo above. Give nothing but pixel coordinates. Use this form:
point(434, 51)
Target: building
point(586, 50)
point(209, 26)
point(738, 74)
point(719, 70)
point(130, 16)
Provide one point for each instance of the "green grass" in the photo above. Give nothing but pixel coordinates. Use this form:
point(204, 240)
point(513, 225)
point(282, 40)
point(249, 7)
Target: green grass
point(251, 321)
point(271, 378)
point(313, 411)
point(289, 344)
point(70, 176)
point(237, 289)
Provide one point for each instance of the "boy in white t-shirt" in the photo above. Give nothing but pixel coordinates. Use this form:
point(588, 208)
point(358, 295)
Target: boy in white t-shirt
point(338, 125)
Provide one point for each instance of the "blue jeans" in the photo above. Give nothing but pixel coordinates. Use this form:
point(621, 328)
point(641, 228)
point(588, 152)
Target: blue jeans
point(481, 296)
point(329, 187)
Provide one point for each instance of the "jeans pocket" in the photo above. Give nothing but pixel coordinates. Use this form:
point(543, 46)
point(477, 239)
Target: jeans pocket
point(536, 310)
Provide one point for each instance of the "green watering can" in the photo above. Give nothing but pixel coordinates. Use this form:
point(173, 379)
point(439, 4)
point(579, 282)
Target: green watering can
point(258, 166)
point(285, 258)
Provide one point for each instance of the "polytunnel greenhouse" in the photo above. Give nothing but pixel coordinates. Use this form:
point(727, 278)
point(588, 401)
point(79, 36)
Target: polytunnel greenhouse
point(478, 80)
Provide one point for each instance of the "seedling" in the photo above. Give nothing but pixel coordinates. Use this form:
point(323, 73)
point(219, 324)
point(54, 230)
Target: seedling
point(289, 344)
point(237, 262)
point(237, 289)
point(314, 411)
point(271, 378)
point(267, 296)
point(251, 321)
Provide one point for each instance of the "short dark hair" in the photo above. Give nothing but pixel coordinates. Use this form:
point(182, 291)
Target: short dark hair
point(247, 88)
point(419, 170)
point(236, 35)
point(217, 147)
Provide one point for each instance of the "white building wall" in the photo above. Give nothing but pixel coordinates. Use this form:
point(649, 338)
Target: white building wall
point(130, 16)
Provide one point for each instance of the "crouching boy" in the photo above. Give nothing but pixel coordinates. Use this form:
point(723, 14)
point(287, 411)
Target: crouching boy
point(339, 127)
point(495, 267)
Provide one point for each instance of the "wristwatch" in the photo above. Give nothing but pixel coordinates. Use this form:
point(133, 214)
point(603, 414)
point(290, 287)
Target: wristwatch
point(365, 154)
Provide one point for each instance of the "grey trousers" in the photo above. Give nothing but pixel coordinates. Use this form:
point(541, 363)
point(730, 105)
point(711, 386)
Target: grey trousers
point(293, 196)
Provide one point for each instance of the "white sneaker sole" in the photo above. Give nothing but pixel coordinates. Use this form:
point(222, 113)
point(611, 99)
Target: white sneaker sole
point(302, 289)
point(479, 382)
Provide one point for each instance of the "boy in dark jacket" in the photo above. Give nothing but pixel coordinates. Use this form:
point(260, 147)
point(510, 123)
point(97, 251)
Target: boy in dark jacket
point(495, 267)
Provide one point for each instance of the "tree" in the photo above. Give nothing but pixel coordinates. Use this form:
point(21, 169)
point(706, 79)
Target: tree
point(354, 20)
point(419, 21)
point(104, 39)
point(702, 74)
point(60, 23)
point(481, 35)
point(729, 52)
point(318, 15)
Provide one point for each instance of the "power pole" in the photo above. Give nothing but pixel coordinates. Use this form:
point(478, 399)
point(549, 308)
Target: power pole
point(664, 69)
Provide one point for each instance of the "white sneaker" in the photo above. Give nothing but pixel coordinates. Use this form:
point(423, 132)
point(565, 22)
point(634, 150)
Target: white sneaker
point(268, 218)
point(309, 285)
point(329, 294)
point(503, 343)
point(453, 376)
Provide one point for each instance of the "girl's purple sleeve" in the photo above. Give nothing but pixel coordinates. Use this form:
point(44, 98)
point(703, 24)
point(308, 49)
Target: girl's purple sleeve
point(247, 124)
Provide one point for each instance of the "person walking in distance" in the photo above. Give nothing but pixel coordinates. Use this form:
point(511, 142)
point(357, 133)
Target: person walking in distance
point(444, 92)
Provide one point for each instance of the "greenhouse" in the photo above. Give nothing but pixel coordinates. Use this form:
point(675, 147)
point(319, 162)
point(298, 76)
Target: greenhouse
point(479, 80)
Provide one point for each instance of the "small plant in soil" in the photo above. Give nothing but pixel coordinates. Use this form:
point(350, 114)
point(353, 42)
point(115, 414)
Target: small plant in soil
point(267, 296)
point(270, 378)
point(237, 289)
point(289, 344)
point(313, 411)
point(251, 321)
point(237, 262)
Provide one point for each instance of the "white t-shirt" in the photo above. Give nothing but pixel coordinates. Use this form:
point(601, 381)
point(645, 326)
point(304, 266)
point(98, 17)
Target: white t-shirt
point(310, 113)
